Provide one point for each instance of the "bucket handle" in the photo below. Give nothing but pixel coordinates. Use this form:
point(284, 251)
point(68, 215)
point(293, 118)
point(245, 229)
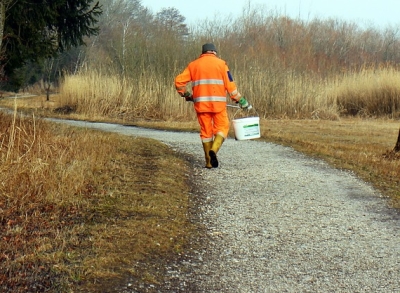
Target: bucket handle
point(240, 109)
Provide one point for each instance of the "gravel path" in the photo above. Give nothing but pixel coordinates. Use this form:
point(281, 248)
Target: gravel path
point(278, 221)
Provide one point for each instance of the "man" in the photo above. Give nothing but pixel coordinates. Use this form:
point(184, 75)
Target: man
point(211, 81)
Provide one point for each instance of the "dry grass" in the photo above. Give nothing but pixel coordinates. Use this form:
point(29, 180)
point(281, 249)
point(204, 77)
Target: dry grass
point(368, 93)
point(81, 209)
point(81, 236)
point(358, 144)
point(95, 95)
point(275, 94)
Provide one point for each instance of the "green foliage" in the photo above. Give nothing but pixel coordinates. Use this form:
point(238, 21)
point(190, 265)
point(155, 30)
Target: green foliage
point(41, 29)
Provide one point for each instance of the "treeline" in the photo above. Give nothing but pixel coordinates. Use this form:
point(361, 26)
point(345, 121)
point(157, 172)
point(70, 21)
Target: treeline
point(275, 59)
point(131, 35)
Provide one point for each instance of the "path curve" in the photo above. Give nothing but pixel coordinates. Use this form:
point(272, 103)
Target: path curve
point(279, 221)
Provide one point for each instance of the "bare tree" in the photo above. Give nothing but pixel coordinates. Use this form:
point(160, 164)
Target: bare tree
point(4, 6)
point(171, 20)
point(49, 72)
point(390, 47)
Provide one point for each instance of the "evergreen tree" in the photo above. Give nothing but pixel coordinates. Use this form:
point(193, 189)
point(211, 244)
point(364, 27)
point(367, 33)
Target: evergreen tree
point(38, 29)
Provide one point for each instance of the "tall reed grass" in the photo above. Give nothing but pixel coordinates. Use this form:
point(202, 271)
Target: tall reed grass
point(148, 96)
point(369, 92)
point(274, 94)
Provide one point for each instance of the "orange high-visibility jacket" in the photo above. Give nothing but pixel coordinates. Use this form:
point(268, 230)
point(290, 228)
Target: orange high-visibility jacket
point(211, 81)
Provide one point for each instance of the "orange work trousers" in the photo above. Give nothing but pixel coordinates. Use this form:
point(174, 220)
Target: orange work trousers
point(212, 124)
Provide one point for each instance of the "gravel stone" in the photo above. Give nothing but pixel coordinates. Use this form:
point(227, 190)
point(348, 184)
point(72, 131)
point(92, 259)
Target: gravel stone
point(279, 221)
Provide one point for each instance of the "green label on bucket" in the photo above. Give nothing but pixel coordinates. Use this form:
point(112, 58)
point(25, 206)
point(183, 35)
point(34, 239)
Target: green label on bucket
point(251, 130)
point(251, 125)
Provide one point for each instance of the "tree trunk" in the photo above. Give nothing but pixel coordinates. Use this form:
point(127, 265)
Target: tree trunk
point(397, 146)
point(4, 5)
point(2, 19)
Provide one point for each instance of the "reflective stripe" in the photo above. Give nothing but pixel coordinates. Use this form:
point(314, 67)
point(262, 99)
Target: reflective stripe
point(208, 81)
point(235, 92)
point(210, 99)
point(209, 139)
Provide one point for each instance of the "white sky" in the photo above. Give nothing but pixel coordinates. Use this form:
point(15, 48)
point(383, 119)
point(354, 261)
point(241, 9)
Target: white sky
point(375, 13)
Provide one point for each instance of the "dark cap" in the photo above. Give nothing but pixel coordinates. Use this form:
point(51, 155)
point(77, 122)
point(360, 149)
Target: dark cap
point(208, 47)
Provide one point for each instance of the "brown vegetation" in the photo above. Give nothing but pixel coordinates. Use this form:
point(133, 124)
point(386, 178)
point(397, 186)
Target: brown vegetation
point(79, 209)
point(285, 67)
point(74, 202)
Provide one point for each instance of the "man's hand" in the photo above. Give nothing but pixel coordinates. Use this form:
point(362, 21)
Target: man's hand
point(244, 104)
point(188, 96)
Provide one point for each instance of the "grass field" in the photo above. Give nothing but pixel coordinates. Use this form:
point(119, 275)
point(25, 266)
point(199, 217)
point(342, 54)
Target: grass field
point(83, 210)
point(362, 145)
point(78, 207)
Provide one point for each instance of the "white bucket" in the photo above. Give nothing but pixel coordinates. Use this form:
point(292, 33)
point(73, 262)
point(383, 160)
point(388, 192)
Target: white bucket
point(246, 128)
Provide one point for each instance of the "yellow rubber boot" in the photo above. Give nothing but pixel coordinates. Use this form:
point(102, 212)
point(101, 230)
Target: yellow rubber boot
point(218, 140)
point(207, 147)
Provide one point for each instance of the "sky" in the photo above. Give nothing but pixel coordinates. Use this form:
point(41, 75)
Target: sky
point(367, 13)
